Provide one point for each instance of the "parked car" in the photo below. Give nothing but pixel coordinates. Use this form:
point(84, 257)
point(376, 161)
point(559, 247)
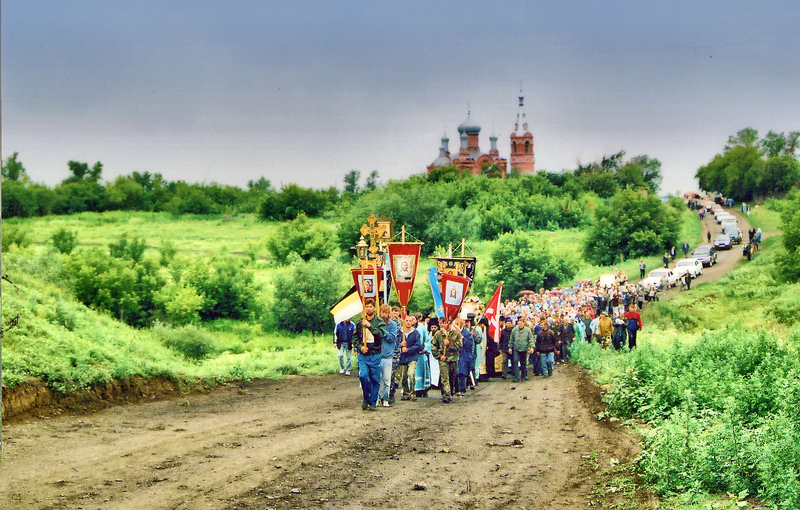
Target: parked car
point(706, 254)
point(692, 265)
point(723, 242)
point(728, 223)
point(735, 233)
point(720, 217)
point(663, 273)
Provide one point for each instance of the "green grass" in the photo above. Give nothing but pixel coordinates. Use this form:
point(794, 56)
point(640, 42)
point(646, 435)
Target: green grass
point(195, 235)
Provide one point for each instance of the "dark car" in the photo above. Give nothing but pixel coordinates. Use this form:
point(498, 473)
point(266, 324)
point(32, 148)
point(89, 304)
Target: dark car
point(706, 253)
point(734, 233)
point(723, 242)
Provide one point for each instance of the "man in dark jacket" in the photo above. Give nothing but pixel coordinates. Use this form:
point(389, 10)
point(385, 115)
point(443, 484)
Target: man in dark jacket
point(505, 337)
point(546, 345)
point(343, 338)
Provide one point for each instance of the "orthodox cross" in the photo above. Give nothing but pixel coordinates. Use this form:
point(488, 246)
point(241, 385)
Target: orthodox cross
point(375, 232)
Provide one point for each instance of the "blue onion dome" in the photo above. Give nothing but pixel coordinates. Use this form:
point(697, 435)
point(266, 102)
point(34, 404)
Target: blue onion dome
point(469, 126)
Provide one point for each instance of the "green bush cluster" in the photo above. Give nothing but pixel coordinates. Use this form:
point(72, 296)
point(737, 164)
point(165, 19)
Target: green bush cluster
point(723, 410)
point(300, 238)
point(440, 212)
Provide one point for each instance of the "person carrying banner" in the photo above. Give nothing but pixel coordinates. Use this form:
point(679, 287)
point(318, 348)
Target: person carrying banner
point(367, 344)
point(446, 346)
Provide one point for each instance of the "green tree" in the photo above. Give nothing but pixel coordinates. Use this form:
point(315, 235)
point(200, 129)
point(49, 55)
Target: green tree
point(747, 138)
point(372, 181)
point(780, 174)
point(12, 169)
point(302, 238)
point(631, 225)
point(774, 144)
point(522, 261)
point(736, 173)
point(787, 263)
point(263, 185)
point(491, 170)
point(81, 171)
point(446, 173)
point(294, 200)
point(351, 179)
point(305, 293)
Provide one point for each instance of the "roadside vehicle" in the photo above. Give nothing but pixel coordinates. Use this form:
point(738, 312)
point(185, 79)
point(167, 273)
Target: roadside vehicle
point(723, 242)
point(706, 254)
point(663, 273)
point(692, 265)
point(724, 216)
point(734, 232)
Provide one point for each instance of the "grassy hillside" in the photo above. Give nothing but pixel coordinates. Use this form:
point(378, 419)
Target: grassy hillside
point(68, 346)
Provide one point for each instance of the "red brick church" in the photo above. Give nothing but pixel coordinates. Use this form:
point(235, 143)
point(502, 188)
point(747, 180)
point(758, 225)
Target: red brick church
point(470, 157)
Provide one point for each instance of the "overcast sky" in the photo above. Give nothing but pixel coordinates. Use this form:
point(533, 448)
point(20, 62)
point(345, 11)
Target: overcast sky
point(305, 91)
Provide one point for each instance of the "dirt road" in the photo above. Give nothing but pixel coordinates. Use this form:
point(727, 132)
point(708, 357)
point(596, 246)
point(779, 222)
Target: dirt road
point(306, 443)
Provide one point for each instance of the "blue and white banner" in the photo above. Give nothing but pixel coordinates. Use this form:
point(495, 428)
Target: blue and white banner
point(437, 293)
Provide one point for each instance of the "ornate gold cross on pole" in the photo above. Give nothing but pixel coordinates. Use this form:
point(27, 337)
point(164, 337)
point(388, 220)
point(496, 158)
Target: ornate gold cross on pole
point(375, 232)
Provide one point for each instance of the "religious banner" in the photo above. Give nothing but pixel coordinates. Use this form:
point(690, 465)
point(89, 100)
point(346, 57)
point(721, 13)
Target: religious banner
point(459, 266)
point(403, 261)
point(368, 282)
point(433, 279)
point(454, 290)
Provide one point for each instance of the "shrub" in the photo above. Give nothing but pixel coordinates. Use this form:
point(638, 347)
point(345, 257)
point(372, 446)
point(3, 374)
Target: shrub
point(305, 293)
point(15, 235)
point(301, 237)
point(228, 289)
point(64, 240)
point(191, 342)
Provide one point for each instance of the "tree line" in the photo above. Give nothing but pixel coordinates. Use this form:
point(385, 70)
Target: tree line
point(751, 168)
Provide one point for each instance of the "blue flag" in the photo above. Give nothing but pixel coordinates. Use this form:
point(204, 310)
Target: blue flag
point(437, 293)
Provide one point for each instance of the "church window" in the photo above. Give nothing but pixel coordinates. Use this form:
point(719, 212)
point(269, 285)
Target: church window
point(527, 147)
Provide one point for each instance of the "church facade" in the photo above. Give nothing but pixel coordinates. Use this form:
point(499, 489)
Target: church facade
point(470, 158)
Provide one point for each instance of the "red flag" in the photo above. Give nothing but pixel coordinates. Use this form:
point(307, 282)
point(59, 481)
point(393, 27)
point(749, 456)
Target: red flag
point(492, 313)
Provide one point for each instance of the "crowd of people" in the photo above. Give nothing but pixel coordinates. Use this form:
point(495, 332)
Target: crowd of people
point(410, 356)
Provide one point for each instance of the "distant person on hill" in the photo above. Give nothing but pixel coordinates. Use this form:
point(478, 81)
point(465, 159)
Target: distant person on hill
point(708, 236)
point(665, 259)
point(642, 268)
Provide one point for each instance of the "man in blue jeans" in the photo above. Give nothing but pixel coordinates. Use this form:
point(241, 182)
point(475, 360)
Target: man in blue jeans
point(343, 338)
point(367, 343)
point(546, 345)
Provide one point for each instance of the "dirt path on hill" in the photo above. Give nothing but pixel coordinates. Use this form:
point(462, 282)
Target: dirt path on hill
point(305, 443)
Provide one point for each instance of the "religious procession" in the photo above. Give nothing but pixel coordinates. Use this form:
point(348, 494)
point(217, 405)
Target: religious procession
point(464, 342)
